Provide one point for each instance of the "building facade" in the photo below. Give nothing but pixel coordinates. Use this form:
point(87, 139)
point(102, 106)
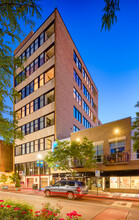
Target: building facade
point(115, 159)
point(6, 157)
point(57, 95)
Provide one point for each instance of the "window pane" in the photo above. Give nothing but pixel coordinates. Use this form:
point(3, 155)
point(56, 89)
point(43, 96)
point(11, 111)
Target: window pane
point(49, 75)
point(36, 84)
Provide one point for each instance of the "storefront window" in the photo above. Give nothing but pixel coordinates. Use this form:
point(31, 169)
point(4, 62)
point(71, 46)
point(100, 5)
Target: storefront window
point(134, 182)
point(125, 182)
point(114, 182)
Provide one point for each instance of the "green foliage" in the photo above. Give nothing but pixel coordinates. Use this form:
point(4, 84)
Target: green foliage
point(10, 209)
point(109, 17)
point(15, 178)
point(15, 210)
point(66, 154)
point(135, 127)
point(3, 178)
point(11, 14)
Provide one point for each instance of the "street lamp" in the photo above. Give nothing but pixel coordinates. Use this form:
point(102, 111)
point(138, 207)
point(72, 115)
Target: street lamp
point(78, 139)
point(39, 157)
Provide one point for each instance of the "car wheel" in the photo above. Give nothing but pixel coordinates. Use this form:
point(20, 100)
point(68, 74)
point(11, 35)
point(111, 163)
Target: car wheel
point(47, 193)
point(70, 195)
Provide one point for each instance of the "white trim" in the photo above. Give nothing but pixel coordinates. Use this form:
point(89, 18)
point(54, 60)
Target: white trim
point(98, 143)
point(117, 139)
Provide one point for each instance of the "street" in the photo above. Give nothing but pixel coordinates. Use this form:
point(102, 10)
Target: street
point(89, 208)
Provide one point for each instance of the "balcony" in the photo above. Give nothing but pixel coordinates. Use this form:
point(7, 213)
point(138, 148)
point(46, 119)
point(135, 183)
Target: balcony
point(119, 158)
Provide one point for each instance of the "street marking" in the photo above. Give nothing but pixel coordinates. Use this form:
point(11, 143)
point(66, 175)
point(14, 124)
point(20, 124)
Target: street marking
point(122, 204)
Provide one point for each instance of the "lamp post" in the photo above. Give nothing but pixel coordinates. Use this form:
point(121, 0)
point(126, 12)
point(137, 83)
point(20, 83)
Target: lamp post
point(39, 157)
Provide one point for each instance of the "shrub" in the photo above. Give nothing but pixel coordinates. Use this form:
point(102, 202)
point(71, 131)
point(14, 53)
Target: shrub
point(16, 210)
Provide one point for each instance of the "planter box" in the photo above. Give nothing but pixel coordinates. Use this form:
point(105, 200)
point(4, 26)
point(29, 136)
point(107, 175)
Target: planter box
point(17, 189)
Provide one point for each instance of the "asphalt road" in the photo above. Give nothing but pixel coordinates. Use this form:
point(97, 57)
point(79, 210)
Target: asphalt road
point(89, 208)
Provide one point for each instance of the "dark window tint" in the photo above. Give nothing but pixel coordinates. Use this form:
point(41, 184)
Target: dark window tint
point(81, 184)
point(71, 183)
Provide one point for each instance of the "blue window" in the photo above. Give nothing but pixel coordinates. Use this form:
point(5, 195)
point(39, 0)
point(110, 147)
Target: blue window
point(77, 96)
point(86, 123)
point(77, 61)
point(31, 87)
point(23, 93)
point(27, 90)
point(75, 128)
point(116, 147)
point(86, 93)
point(77, 79)
point(86, 108)
point(77, 114)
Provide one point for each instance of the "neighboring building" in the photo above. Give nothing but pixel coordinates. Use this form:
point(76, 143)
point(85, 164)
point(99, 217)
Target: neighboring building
point(6, 157)
point(116, 161)
point(58, 95)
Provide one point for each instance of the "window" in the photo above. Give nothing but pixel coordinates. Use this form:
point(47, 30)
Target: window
point(31, 87)
point(117, 147)
point(23, 149)
point(36, 104)
point(48, 142)
point(36, 84)
point(77, 61)
point(23, 93)
point(31, 68)
point(27, 71)
point(41, 122)
point(31, 127)
point(27, 148)
point(77, 96)
point(18, 151)
point(77, 79)
point(49, 97)
point(137, 153)
point(18, 114)
point(49, 75)
point(27, 129)
point(27, 90)
point(23, 111)
point(36, 125)
point(41, 59)
point(27, 109)
point(41, 80)
point(77, 114)
point(41, 101)
point(42, 38)
point(49, 53)
point(49, 31)
point(93, 90)
point(86, 93)
point(86, 123)
point(98, 153)
point(86, 108)
point(49, 120)
point(36, 145)
point(75, 128)
point(31, 48)
point(27, 53)
point(85, 76)
point(31, 107)
point(42, 144)
point(36, 44)
point(36, 65)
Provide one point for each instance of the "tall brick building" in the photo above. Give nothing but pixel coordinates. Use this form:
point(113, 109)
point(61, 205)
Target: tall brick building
point(58, 95)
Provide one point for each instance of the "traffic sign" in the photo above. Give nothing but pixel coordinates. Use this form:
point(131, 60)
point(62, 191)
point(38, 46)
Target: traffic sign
point(97, 173)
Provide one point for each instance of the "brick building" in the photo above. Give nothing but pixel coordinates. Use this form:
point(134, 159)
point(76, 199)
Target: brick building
point(58, 95)
point(6, 157)
point(117, 162)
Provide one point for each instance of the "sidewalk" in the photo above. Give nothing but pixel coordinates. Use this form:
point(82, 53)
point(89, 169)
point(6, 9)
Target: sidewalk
point(91, 194)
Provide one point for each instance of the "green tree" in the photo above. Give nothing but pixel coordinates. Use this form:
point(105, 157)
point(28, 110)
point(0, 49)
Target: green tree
point(135, 127)
point(67, 154)
point(15, 178)
point(3, 178)
point(11, 14)
point(109, 17)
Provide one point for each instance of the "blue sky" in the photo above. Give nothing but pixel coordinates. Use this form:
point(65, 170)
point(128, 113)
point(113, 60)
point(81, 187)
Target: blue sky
point(112, 58)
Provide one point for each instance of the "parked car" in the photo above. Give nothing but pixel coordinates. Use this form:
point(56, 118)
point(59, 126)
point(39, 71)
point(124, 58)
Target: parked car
point(70, 188)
